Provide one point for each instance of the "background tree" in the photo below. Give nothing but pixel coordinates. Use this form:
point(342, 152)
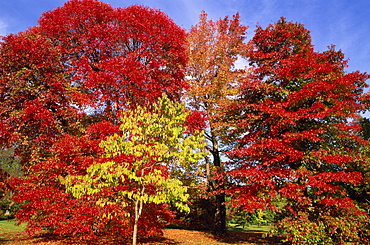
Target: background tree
point(63, 85)
point(214, 48)
point(361, 192)
point(297, 137)
point(9, 167)
point(365, 128)
point(9, 163)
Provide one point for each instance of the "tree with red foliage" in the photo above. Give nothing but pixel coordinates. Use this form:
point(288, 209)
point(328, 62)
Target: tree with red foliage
point(62, 87)
point(119, 55)
point(298, 138)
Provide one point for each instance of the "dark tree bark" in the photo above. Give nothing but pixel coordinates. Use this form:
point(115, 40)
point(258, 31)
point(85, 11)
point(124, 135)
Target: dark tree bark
point(220, 213)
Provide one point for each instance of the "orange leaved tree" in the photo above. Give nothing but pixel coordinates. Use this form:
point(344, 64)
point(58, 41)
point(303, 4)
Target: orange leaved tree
point(214, 49)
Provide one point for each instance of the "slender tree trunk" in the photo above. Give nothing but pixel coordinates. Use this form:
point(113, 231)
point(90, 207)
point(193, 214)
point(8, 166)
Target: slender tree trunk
point(208, 174)
point(138, 211)
point(134, 235)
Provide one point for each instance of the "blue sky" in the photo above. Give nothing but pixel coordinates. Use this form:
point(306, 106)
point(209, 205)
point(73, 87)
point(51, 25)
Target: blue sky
point(341, 22)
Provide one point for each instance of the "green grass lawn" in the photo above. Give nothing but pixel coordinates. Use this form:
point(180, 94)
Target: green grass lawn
point(11, 227)
point(250, 228)
point(255, 228)
point(10, 230)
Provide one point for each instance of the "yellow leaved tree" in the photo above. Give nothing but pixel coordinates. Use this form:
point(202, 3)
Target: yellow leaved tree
point(153, 141)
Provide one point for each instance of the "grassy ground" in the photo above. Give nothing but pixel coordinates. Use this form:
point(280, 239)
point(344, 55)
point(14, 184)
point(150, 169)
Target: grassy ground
point(9, 230)
point(250, 228)
point(11, 234)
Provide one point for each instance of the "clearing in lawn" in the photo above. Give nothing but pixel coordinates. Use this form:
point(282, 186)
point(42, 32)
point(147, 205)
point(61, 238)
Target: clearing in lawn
point(11, 234)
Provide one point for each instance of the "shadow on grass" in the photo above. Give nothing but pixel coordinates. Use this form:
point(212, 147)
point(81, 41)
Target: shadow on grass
point(239, 235)
point(234, 237)
point(13, 238)
point(11, 234)
point(103, 240)
point(10, 231)
point(175, 235)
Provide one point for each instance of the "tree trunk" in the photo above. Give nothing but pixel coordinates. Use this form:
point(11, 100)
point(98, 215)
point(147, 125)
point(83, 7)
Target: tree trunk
point(138, 211)
point(134, 235)
point(220, 214)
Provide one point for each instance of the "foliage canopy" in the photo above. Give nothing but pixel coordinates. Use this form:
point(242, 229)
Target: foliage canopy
point(295, 120)
point(90, 105)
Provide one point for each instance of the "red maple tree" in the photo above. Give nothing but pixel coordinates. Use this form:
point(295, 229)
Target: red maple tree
point(298, 142)
point(62, 87)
